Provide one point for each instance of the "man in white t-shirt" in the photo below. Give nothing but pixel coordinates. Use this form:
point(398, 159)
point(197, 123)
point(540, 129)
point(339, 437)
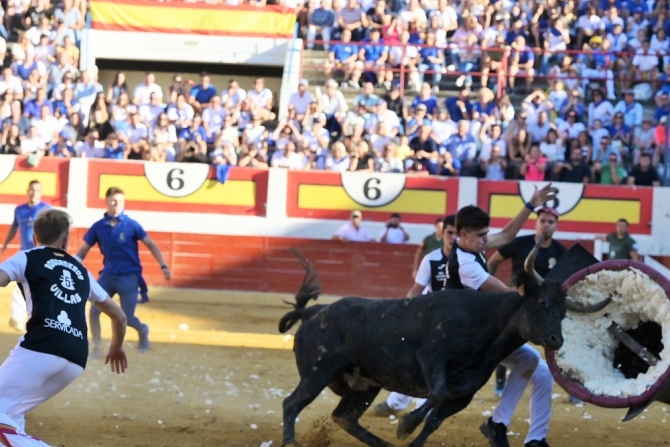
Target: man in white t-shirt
point(287, 158)
point(91, 147)
point(261, 98)
point(430, 277)
point(301, 100)
point(394, 233)
point(352, 231)
point(143, 91)
point(149, 112)
point(233, 96)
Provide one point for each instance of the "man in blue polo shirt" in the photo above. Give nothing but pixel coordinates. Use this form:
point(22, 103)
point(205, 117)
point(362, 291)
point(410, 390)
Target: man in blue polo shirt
point(522, 60)
point(24, 216)
point(201, 95)
point(117, 235)
point(343, 57)
point(374, 55)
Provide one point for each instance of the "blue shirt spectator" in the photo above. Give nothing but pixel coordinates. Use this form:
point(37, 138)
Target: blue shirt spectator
point(430, 103)
point(190, 134)
point(632, 110)
point(115, 151)
point(374, 49)
point(203, 92)
point(57, 149)
point(664, 109)
point(461, 148)
point(33, 107)
point(453, 105)
point(322, 17)
point(343, 51)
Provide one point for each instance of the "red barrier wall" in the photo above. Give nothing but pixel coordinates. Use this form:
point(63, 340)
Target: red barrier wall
point(265, 265)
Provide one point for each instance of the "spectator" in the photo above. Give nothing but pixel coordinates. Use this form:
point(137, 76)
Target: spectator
point(468, 60)
point(622, 246)
point(201, 95)
point(58, 72)
point(224, 155)
point(193, 136)
point(570, 129)
point(432, 58)
point(180, 113)
point(394, 233)
point(429, 243)
point(663, 109)
point(352, 231)
point(178, 86)
point(463, 149)
point(427, 99)
point(447, 168)
point(233, 96)
point(212, 119)
point(117, 87)
point(70, 16)
point(535, 165)
point(389, 161)
point(644, 174)
point(374, 56)
point(137, 138)
point(443, 127)
point(287, 158)
point(143, 91)
point(11, 141)
point(426, 152)
point(100, 124)
point(114, 149)
point(362, 159)
point(162, 139)
point(492, 57)
point(495, 166)
point(91, 147)
point(32, 108)
point(32, 144)
point(62, 148)
point(645, 63)
point(574, 171)
point(261, 99)
point(11, 82)
point(632, 110)
point(334, 106)
point(47, 126)
point(459, 107)
point(338, 160)
point(353, 19)
point(614, 173)
point(521, 61)
point(413, 14)
point(396, 103)
point(254, 156)
point(192, 153)
point(491, 135)
point(300, 100)
point(321, 21)
point(539, 129)
point(150, 112)
point(600, 109)
point(255, 134)
point(618, 130)
point(367, 96)
point(485, 107)
point(344, 56)
point(643, 137)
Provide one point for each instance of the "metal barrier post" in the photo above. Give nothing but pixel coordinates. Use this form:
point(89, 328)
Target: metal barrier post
point(402, 71)
point(666, 164)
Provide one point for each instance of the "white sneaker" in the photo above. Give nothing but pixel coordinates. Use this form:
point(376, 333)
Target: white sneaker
point(460, 81)
point(344, 84)
point(354, 84)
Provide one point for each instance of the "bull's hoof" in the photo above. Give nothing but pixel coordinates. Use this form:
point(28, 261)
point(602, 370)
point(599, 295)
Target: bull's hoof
point(406, 427)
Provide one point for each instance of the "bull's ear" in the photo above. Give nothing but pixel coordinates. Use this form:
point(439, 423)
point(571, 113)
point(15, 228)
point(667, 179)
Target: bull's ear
point(526, 284)
point(522, 289)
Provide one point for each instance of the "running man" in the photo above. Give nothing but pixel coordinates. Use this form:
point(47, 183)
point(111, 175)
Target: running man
point(117, 235)
point(518, 250)
point(53, 352)
point(467, 268)
point(430, 277)
point(24, 216)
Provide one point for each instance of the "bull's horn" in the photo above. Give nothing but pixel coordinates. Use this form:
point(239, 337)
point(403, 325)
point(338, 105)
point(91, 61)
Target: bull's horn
point(529, 264)
point(586, 308)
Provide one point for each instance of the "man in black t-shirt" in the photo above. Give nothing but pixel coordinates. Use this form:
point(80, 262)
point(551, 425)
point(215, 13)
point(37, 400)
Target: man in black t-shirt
point(53, 352)
point(644, 174)
point(518, 250)
point(575, 170)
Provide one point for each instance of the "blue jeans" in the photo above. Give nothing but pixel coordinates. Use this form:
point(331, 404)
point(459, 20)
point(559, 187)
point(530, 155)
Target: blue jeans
point(435, 77)
point(127, 288)
point(466, 67)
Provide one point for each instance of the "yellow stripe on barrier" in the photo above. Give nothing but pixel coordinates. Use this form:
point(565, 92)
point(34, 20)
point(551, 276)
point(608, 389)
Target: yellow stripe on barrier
point(212, 192)
point(507, 206)
point(192, 19)
point(17, 182)
point(416, 201)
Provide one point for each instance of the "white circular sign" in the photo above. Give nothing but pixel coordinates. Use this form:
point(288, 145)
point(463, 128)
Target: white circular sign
point(176, 179)
point(7, 164)
point(373, 189)
point(567, 198)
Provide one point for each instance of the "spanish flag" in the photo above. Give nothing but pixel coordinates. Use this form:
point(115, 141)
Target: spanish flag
point(192, 18)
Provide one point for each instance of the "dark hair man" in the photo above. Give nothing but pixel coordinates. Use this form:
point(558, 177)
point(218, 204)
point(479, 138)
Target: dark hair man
point(467, 268)
point(622, 246)
point(429, 243)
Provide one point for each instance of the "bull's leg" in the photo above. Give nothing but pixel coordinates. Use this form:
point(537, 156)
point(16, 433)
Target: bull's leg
point(437, 416)
point(435, 374)
point(308, 389)
point(351, 407)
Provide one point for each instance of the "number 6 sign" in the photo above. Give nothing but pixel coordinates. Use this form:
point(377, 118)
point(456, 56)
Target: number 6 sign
point(176, 179)
point(373, 190)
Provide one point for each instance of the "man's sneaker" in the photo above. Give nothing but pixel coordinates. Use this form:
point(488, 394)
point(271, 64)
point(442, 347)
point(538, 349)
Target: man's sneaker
point(495, 432)
point(143, 344)
point(16, 325)
point(498, 392)
point(96, 352)
point(383, 410)
point(542, 443)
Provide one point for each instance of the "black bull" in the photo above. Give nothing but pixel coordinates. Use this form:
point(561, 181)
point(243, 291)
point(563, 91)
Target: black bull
point(443, 346)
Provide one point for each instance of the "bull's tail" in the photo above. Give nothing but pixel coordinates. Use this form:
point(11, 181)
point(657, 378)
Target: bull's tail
point(309, 290)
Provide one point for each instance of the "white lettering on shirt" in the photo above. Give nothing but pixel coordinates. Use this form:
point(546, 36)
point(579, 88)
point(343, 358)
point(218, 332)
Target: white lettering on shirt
point(52, 263)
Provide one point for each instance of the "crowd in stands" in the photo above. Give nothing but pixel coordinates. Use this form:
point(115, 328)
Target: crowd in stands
point(597, 61)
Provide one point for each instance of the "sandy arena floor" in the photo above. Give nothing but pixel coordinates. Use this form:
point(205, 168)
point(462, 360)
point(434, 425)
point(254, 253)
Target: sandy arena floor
point(216, 376)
